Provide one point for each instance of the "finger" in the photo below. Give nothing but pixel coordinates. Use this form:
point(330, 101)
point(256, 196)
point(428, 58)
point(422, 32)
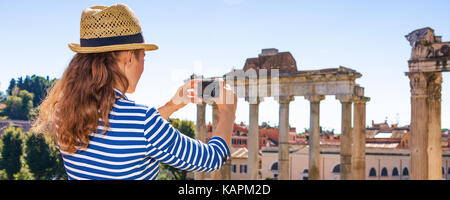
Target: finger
point(194, 98)
point(193, 84)
point(197, 100)
point(192, 93)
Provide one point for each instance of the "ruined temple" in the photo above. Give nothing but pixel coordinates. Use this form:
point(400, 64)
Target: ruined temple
point(272, 59)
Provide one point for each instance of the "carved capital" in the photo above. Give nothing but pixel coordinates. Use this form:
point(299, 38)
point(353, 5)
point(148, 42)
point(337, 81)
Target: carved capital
point(284, 99)
point(315, 98)
point(361, 100)
point(345, 98)
point(418, 83)
point(254, 100)
point(435, 86)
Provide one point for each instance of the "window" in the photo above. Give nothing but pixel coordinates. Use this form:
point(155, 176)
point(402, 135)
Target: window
point(395, 172)
point(384, 172)
point(372, 172)
point(233, 141)
point(245, 141)
point(264, 142)
point(242, 169)
point(274, 167)
point(305, 175)
point(405, 171)
point(337, 169)
point(233, 168)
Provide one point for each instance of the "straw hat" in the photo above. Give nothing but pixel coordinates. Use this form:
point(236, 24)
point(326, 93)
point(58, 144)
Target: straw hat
point(113, 28)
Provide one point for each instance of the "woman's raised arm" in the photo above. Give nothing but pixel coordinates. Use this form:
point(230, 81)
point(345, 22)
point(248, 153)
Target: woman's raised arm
point(166, 144)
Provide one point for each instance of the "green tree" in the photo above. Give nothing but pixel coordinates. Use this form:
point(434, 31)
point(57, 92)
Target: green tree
point(11, 151)
point(27, 103)
point(13, 107)
point(35, 84)
point(187, 128)
point(38, 156)
point(57, 170)
point(12, 85)
point(19, 106)
point(24, 174)
point(3, 175)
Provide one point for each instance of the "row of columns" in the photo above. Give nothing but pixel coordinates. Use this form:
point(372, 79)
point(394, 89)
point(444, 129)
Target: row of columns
point(352, 147)
point(352, 140)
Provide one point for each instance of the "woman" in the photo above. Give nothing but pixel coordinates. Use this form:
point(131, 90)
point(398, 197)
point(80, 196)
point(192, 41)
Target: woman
point(104, 135)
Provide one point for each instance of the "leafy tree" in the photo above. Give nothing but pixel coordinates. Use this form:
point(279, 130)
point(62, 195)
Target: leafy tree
point(3, 175)
point(27, 103)
point(163, 174)
point(187, 128)
point(13, 107)
point(20, 106)
point(57, 170)
point(35, 84)
point(11, 151)
point(38, 156)
point(24, 174)
point(12, 85)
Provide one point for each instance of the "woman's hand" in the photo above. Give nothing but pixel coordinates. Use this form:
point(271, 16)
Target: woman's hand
point(226, 104)
point(185, 94)
point(227, 101)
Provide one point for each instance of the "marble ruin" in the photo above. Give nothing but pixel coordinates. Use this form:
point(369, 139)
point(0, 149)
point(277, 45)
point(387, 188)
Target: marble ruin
point(275, 74)
point(429, 58)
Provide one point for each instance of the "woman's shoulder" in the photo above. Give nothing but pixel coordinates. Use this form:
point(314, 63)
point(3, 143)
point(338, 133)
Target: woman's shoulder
point(130, 104)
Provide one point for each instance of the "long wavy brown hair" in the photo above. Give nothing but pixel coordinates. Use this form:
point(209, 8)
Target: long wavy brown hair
point(85, 94)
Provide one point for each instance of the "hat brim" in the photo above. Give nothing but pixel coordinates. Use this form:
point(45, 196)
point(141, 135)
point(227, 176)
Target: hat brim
point(77, 48)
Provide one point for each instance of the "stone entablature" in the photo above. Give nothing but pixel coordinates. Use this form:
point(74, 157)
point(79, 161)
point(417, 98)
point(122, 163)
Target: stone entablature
point(429, 53)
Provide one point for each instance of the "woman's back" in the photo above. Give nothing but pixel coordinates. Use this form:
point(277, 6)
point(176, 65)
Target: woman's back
point(102, 134)
point(137, 140)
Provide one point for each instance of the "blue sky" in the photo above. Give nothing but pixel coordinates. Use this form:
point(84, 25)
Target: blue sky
point(213, 36)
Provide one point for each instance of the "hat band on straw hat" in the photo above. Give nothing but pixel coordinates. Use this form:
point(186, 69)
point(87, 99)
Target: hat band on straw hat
point(116, 40)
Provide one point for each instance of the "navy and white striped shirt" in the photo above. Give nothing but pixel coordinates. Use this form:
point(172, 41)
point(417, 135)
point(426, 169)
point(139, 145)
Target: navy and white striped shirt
point(137, 141)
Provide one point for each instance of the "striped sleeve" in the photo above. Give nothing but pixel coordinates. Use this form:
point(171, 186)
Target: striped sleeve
point(166, 144)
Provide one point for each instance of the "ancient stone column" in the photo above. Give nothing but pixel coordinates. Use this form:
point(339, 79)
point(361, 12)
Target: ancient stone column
point(419, 126)
point(434, 149)
point(200, 132)
point(253, 140)
point(346, 137)
point(314, 137)
point(224, 173)
point(283, 138)
point(359, 139)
